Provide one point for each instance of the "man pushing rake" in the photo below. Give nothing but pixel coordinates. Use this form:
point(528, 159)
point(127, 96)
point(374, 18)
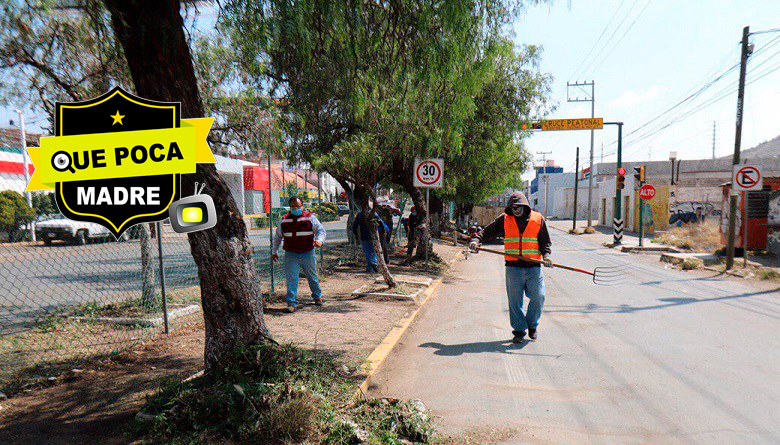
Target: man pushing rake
point(525, 234)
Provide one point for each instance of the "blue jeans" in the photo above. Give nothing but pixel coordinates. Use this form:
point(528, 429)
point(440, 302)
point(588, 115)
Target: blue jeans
point(372, 264)
point(531, 281)
point(293, 263)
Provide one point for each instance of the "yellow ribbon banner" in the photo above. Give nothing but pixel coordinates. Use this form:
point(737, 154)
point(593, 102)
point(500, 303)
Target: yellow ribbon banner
point(120, 154)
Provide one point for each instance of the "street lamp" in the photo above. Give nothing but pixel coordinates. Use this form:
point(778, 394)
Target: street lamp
point(672, 157)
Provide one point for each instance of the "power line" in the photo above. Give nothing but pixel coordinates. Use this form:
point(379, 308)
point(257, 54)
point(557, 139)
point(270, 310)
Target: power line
point(603, 31)
point(623, 20)
point(619, 40)
point(716, 98)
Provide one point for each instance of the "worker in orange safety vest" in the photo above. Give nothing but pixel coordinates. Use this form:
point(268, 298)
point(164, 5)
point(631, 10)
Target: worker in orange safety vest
point(525, 233)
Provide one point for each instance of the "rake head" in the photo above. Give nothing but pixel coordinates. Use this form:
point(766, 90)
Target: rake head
point(610, 275)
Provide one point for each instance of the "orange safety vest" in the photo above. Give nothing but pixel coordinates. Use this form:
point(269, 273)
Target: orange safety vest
point(528, 246)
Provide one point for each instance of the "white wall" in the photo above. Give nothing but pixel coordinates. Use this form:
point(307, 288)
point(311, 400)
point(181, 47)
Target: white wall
point(564, 202)
point(606, 191)
point(556, 181)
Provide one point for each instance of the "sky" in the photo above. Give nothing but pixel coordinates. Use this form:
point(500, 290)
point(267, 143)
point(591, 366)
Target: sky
point(645, 56)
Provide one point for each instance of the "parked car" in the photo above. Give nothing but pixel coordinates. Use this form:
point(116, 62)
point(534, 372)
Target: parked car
point(343, 210)
point(77, 232)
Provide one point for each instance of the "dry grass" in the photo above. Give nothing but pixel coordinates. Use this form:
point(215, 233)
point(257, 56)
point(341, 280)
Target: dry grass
point(694, 237)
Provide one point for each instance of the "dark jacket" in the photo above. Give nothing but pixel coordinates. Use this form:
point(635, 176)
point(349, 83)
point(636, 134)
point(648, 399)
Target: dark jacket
point(496, 229)
point(360, 224)
point(411, 223)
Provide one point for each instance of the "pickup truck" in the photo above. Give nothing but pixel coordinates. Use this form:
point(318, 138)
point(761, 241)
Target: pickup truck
point(76, 232)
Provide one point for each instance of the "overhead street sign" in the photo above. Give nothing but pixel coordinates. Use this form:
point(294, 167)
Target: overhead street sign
point(747, 178)
point(585, 123)
point(429, 173)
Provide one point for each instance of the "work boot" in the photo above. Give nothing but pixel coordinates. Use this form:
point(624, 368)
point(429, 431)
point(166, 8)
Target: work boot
point(289, 309)
point(532, 333)
point(518, 336)
point(318, 302)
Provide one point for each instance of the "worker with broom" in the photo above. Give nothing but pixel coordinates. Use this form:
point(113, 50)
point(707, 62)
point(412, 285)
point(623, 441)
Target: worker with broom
point(525, 233)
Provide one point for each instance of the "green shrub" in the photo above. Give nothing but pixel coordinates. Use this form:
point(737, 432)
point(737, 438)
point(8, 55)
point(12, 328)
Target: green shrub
point(691, 264)
point(14, 214)
point(326, 211)
point(768, 274)
point(278, 394)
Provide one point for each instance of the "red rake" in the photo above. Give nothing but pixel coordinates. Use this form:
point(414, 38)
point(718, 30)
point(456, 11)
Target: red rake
point(603, 275)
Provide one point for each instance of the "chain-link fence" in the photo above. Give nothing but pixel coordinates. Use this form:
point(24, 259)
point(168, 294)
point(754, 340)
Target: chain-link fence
point(74, 293)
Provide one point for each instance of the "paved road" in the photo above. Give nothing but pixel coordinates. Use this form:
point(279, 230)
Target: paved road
point(670, 357)
point(40, 278)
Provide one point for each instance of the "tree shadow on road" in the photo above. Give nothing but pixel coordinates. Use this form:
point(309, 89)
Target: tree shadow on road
point(499, 346)
point(666, 303)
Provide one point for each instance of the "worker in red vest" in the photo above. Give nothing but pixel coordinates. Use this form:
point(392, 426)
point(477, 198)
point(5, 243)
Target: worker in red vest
point(301, 232)
point(525, 233)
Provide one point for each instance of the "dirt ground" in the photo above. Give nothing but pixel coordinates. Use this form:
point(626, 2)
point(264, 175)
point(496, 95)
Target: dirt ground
point(98, 403)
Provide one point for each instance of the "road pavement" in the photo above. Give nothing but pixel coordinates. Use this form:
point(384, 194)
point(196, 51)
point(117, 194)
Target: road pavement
point(38, 278)
point(668, 357)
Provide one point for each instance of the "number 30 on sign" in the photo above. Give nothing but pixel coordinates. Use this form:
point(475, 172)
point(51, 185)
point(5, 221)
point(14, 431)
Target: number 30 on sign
point(429, 173)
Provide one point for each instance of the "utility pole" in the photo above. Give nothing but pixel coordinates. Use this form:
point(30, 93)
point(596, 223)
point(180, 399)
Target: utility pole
point(713, 139)
point(746, 51)
point(546, 178)
point(576, 182)
point(592, 100)
point(23, 137)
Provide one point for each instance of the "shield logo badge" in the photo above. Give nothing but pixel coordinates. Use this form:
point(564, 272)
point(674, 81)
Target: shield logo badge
point(117, 203)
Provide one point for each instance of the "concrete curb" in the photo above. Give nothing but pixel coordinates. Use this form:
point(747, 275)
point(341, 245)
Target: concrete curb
point(380, 353)
point(144, 322)
point(650, 249)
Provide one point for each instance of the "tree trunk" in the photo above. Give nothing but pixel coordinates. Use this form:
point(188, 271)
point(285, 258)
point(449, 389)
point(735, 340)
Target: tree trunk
point(436, 216)
point(148, 276)
point(422, 232)
point(361, 196)
point(352, 209)
point(152, 36)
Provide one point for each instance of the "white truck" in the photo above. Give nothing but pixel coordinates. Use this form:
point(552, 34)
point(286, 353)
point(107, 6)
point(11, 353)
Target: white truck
point(75, 232)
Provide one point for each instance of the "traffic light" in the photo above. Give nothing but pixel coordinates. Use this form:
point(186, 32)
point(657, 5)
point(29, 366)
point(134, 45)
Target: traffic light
point(531, 126)
point(639, 173)
point(621, 178)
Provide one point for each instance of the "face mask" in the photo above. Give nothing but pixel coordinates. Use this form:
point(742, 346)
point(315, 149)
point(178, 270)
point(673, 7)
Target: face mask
point(518, 211)
point(296, 212)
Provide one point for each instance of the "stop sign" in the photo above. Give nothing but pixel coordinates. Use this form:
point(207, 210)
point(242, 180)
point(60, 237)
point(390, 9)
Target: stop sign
point(647, 192)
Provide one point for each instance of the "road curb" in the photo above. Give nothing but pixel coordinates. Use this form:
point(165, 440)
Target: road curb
point(382, 351)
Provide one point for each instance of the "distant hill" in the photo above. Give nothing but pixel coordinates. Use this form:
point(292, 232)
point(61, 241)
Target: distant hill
point(768, 149)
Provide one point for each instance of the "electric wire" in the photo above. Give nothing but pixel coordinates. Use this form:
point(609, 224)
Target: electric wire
point(603, 31)
point(729, 89)
point(606, 44)
point(590, 74)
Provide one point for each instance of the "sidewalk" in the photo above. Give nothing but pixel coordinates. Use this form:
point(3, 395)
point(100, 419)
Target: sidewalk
point(97, 402)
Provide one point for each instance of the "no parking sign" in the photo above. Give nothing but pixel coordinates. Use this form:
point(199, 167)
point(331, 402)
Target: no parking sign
point(747, 178)
point(429, 173)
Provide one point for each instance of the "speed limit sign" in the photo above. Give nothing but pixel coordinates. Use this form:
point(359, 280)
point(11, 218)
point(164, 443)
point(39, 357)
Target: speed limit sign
point(429, 173)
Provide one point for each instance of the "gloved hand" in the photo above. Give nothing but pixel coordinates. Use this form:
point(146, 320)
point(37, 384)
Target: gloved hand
point(547, 261)
point(474, 246)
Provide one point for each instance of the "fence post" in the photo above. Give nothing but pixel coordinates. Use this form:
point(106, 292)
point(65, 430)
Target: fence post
point(162, 275)
point(319, 210)
point(271, 219)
